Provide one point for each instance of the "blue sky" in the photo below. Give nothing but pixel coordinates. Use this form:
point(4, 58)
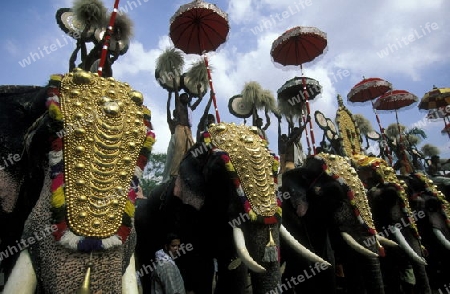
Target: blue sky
point(405, 42)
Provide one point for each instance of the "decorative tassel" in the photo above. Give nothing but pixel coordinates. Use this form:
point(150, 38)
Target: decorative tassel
point(86, 286)
point(271, 252)
point(381, 251)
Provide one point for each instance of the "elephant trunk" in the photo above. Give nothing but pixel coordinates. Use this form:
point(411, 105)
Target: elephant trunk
point(373, 278)
point(243, 253)
point(357, 247)
point(299, 248)
point(406, 247)
point(440, 236)
point(422, 282)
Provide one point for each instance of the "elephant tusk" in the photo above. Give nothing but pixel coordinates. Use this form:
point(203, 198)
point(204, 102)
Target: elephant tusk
point(23, 278)
point(405, 246)
point(386, 242)
point(243, 253)
point(444, 241)
point(356, 246)
point(302, 250)
point(129, 279)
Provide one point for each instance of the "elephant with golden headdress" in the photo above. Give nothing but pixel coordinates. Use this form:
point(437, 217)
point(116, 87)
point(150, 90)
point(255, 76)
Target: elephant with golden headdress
point(224, 205)
point(84, 154)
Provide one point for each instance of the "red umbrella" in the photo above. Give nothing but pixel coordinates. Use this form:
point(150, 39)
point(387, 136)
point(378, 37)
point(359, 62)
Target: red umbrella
point(297, 46)
point(368, 90)
point(394, 100)
point(199, 27)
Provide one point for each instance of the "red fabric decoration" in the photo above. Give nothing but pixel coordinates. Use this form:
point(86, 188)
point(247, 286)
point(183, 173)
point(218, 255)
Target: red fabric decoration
point(62, 226)
point(132, 195)
point(57, 182)
point(57, 144)
point(142, 161)
point(270, 220)
point(123, 232)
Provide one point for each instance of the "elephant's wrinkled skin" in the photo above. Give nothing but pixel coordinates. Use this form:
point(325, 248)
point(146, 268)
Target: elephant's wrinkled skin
point(317, 212)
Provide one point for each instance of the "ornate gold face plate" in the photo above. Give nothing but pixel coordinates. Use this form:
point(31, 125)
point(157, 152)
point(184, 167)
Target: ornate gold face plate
point(103, 120)
point(341, 166)
point(348, 130)
point(252, 162)
point(387, 173)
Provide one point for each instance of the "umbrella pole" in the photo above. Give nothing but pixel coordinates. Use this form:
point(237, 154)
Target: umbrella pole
point(400, 139)
point(306, 133)
point(445, 127)
point(308, 112)
point(386, 147)
point(107, 37)
point(212, 88)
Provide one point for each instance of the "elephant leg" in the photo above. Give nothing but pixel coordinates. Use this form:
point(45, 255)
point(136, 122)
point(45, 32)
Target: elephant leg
point(363, 275)
point(422, 283)
point(23, 278)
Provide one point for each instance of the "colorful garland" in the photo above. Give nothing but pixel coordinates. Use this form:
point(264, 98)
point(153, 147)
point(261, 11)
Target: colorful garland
point(63, 234)
point(276, 218)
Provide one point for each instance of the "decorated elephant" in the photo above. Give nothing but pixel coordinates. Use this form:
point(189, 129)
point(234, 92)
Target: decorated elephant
point(404, 267)
point(433, 224)
point(223, 205)
point(85, 154)
point(327, 211)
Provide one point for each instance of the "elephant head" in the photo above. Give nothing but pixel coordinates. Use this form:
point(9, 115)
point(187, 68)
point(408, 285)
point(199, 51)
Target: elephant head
point(224, 204)
point(80, 234)
point(393, 216)
point(433, 224)
point(327, 210)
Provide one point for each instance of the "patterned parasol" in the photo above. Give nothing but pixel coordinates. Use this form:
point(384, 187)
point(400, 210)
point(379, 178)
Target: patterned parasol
point(437, 97)
point(368, 89)
point(437, 101)
point(197, 28)
point(298, 45)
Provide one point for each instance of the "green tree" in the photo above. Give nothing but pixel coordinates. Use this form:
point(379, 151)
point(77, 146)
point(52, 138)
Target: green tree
point(153, 172)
